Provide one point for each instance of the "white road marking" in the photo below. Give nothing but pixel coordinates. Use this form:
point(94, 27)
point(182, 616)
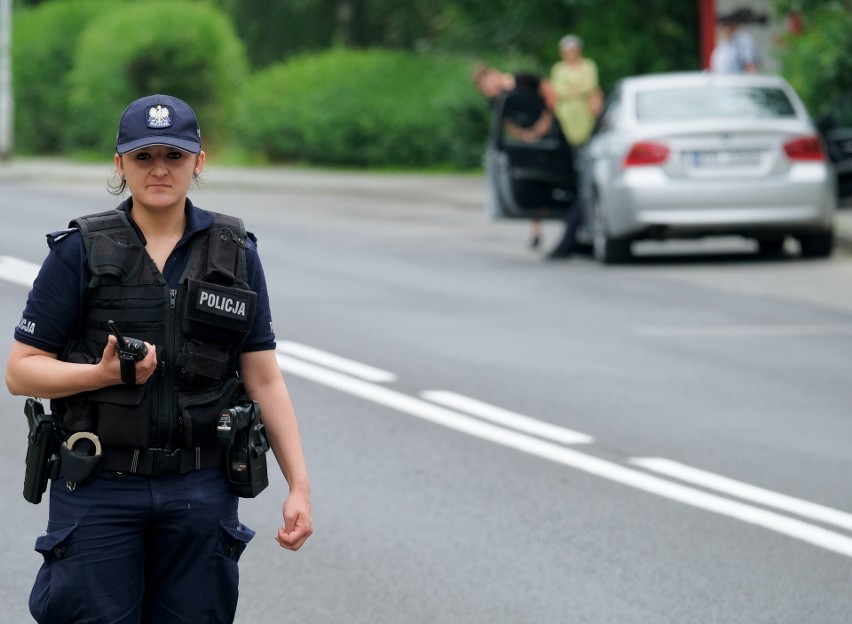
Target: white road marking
point(745, 331)
point(24, 273)
point(752, 493)
point(796, 529)
point(18, 271)
point(335, 362)
point(504, 417)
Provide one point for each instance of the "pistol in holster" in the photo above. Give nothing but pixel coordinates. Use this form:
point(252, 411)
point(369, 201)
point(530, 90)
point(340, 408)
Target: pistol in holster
point(42, 450)
point(243, 436)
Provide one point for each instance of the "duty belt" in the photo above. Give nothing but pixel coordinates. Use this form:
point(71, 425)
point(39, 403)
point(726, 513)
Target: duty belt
point(155, 461)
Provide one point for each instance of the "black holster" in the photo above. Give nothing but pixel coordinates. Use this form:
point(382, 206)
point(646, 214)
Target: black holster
point(42, 450)
point(244, 437)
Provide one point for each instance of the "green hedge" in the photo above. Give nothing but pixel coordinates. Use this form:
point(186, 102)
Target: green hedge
point(43, 40)
point(375, 108)
point(185, 49)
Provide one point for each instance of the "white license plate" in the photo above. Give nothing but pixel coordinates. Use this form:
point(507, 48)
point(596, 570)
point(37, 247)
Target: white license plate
point(722, 158)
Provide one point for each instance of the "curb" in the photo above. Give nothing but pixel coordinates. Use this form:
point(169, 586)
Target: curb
point(465, 191)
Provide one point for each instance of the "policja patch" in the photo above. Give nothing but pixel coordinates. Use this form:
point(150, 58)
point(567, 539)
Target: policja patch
point(224, 307)
point(217, 303)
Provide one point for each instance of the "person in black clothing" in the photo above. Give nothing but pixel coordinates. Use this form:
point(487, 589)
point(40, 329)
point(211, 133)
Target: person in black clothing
point(145, 527)
point(492, 83)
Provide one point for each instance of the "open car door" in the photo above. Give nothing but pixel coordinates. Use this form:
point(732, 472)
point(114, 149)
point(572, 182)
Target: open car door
point(528, 180)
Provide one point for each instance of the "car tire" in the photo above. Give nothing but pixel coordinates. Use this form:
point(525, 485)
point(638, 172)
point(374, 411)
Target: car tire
point(605, 248)
point(817, 245)
point(770, 247)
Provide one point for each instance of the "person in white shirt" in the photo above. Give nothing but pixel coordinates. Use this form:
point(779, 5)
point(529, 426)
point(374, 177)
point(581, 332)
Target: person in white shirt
point(736, 50)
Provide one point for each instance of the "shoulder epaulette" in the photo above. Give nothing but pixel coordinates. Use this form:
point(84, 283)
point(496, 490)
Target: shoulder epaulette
point(58, 235)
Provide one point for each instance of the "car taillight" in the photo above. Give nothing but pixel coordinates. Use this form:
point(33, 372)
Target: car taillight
point(804, 148)
point(646, 153)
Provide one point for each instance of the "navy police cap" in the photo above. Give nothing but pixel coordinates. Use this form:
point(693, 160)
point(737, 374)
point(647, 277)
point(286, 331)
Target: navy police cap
point(158, 120)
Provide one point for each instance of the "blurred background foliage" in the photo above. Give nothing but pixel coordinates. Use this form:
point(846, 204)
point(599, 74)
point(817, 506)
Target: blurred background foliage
point(366, 107)
point(121, 55)
point(818, 62)
point(379, 83)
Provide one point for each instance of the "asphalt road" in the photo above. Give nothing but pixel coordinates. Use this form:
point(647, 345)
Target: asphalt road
point(493, 438)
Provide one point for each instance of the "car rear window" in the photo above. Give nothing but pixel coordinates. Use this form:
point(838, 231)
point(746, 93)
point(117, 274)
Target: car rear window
point(713, 102)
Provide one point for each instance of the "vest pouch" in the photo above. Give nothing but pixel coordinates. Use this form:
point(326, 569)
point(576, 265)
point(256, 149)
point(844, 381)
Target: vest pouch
point(124, 415)
point(115, 259)
point(75, 412)
point(202, 363)
point(200, 412)
point(217, 313)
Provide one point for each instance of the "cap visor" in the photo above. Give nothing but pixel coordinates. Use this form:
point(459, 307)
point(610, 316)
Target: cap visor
point(192, 147)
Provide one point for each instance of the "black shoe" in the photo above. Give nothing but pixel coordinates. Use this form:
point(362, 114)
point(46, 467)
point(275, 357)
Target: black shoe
point(535, 241)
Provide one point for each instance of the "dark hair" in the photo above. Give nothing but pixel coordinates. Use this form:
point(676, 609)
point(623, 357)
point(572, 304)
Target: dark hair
point(116, 185)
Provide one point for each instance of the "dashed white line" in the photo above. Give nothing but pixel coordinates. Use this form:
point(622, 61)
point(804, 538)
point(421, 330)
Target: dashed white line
point(335, 362)
point(506, 418)
point(745, 491)
point(745, 331)
point(796, 529)
point(24, 273)
point(18, 271)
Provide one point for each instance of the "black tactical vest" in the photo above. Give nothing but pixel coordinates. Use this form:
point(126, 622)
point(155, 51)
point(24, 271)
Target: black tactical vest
point(198, 330)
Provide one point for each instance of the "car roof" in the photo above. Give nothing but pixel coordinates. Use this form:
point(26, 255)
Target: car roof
point(698, 79)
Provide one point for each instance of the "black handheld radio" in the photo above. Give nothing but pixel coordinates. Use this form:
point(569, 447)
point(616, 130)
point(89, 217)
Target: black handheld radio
point(130, 351)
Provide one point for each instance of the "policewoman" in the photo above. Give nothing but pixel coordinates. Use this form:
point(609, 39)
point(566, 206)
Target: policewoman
point(144, 326)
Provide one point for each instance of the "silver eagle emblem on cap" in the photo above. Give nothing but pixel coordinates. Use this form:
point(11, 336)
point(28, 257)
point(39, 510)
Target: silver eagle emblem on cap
point(159, 117)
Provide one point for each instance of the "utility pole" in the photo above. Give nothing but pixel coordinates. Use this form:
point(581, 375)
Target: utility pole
point(6, 104)
point(345, 13)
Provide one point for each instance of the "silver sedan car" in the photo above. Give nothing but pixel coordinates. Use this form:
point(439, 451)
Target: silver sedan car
point(685, 155)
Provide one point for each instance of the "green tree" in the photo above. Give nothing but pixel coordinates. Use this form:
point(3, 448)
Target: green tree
point(124, 57)
point(817, 61)
point(628, 37)
point(624, 36)
point(275, 31)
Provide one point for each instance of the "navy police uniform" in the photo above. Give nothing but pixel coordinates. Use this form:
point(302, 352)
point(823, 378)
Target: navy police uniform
point(137, 539)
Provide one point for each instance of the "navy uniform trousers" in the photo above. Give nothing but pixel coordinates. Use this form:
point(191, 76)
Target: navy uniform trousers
point(127, 549)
